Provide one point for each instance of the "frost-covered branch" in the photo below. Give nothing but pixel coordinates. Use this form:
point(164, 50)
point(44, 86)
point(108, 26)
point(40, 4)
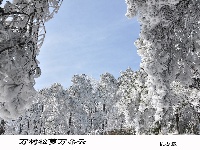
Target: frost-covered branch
point(168, 46)
point(22, 33)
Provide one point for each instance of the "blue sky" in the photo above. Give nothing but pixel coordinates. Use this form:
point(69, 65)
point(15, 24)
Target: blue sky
point(88, 36)
point(91, 37)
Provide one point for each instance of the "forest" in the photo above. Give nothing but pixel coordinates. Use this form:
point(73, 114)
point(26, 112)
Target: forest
point(161, 98)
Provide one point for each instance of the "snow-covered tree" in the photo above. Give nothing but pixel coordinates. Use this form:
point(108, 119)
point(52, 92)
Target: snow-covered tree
point(46, 116)
point(2, 126)
point(22, 33)
point(106, 99)
point(54, 115)
point(29, 123)
point(134, 102)
point(81, 104)
point(168, 46)
point(108, 106)
point(127, 94)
